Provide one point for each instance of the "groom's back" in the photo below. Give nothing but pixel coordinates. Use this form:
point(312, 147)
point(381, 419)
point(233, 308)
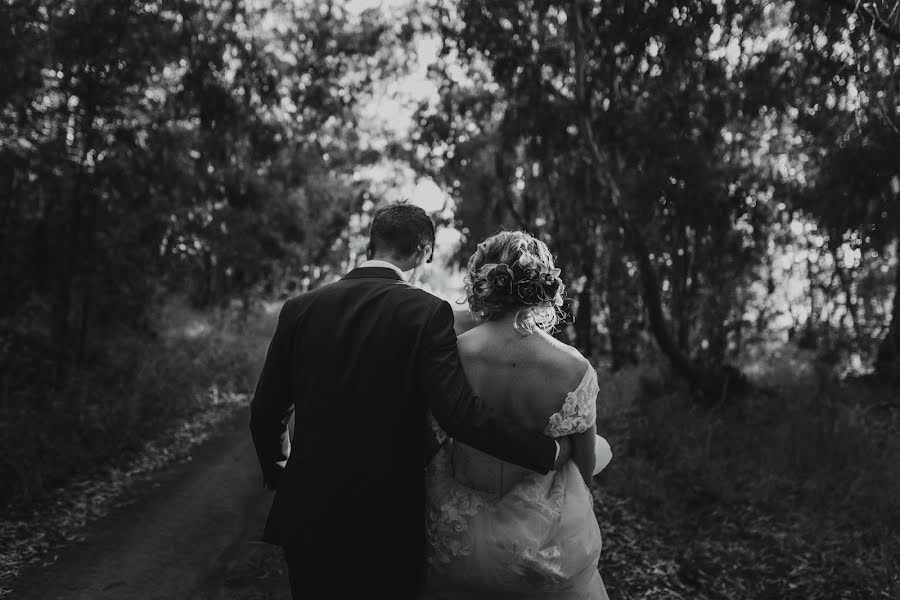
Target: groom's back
point(358, 412)
point(355, 339)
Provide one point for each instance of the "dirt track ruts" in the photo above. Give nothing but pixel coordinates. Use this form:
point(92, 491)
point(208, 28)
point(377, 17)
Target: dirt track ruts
point(178, 538)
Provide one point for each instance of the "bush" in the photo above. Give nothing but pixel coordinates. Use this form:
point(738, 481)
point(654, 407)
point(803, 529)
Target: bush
point(130, 387)
point(822, 449)
point(815, 466)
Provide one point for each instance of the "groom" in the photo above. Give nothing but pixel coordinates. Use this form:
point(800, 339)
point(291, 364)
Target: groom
point(359, 362)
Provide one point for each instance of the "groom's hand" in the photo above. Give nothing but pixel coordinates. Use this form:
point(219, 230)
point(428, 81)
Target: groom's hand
point(565, 452)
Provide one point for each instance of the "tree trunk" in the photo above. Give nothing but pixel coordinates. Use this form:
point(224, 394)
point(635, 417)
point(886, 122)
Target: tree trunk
point(850, 297)
point(88, 283)
point(621, 337)
point(63, 297)
point(653, 302)
point(680, 275)
point(584, 326)
point(888, 359)
point(70, 226)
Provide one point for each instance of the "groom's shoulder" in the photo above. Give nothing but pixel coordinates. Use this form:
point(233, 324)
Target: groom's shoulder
point(298, 302)
point(292, 305)
point(399, 293)
point(419, 294)
point(422, 297)
point(415, 305)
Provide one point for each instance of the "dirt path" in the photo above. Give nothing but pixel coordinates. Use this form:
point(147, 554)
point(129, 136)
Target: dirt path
point(191, 532)
point(188, 533)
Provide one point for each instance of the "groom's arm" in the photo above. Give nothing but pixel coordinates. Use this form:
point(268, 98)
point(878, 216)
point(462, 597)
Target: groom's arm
point(462, 414)
point(272, 404)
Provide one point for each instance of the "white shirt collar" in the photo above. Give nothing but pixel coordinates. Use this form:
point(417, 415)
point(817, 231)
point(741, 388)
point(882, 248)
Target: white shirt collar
point(383, 264)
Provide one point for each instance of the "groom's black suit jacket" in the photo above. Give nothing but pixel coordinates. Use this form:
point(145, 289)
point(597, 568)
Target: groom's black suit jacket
point(359, 361)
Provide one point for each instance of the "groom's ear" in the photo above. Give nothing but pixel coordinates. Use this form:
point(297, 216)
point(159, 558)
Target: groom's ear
point(428, 252)
point(370, 251)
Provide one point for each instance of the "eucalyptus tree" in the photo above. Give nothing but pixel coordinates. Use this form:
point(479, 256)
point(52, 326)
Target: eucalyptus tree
point(845, 90)
point(171, 146)
point(628, 134)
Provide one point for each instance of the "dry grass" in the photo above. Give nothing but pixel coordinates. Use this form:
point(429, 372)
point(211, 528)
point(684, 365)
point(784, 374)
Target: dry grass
point(130, 390)
point(791, 494)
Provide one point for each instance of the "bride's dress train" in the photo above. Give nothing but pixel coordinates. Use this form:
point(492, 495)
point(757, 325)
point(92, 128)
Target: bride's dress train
point(496, 530)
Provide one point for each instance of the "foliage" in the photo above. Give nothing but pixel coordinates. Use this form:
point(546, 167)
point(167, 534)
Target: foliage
point(719, 179)
point(99, 416)
point(845, 94)
point(664, 150)
point(172, 145)
point(160, 149)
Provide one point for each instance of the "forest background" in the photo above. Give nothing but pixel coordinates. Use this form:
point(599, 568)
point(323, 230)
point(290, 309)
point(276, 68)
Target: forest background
point(719, 181)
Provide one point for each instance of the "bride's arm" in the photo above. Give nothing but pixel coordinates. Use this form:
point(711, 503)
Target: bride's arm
point(583, 453)
point(603, 453)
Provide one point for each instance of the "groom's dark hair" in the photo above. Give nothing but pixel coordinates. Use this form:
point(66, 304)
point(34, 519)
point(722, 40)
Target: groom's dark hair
point(400, 229)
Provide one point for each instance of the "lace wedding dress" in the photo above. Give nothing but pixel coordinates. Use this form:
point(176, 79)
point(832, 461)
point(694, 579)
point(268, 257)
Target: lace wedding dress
point(496, 530)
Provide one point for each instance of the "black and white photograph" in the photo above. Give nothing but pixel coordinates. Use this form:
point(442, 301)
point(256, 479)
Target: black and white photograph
point(449, 300)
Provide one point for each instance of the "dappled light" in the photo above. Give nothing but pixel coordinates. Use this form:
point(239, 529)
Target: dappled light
point(719, 183)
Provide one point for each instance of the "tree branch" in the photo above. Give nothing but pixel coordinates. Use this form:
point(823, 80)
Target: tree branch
point(506, 194)
point(603, 166)
point(869, 16)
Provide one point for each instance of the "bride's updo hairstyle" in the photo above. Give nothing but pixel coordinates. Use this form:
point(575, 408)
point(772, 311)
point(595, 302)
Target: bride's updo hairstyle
point(514, 272)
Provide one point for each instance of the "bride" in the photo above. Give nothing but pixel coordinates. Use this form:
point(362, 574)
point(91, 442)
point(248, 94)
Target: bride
point(496, 530)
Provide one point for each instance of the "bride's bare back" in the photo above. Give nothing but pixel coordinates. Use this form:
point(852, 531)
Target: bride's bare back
point(524, 378)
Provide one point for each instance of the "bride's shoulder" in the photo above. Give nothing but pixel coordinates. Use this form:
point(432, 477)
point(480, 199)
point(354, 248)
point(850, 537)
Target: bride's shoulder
point(473, 342)
point(568, 357)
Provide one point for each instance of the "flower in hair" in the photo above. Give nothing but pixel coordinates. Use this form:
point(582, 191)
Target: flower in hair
point(530, 266)
point(500, 278)
point(550, 283)
point(480, 287)
point(529, 290)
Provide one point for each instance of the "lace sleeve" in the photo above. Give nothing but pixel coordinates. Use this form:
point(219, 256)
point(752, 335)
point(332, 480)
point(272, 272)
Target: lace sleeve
point(579, 411)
